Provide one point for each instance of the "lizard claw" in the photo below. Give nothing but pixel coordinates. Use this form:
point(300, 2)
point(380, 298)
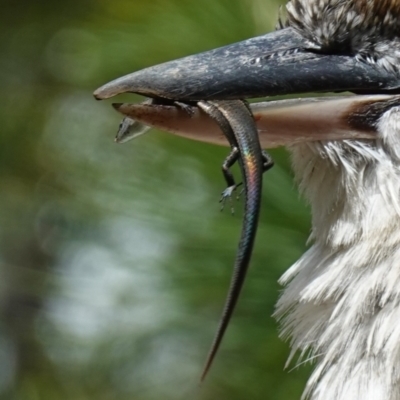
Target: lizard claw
point(239, 195)
point(227, 194)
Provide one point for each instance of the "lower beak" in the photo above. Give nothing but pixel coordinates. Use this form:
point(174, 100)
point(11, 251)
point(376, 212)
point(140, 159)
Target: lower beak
point(279, 123)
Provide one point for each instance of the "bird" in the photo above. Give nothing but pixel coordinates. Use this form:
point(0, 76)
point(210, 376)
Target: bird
point(340, 306)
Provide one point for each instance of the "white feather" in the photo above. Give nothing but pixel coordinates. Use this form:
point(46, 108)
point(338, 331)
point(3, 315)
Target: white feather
point(342, 299)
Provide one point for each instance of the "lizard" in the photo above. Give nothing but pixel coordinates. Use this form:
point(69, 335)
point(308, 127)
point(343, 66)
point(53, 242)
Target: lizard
point(236, 121)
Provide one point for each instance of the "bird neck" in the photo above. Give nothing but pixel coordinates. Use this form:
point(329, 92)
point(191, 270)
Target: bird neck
point(341, 304)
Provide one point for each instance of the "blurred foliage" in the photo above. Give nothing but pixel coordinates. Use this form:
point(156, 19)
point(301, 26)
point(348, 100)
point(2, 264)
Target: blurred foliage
point(115, 259)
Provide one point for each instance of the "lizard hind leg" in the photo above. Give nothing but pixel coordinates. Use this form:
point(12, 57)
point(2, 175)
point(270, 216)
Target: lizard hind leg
point(268, 162)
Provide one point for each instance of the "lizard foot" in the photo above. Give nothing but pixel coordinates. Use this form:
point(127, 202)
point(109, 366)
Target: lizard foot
point(185, 107)
point(227, 195)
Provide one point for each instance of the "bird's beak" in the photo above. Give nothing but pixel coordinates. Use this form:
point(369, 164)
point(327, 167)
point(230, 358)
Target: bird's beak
point(281, 62)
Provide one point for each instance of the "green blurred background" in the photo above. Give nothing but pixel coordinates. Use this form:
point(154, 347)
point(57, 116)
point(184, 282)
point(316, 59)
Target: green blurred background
point(115, 259)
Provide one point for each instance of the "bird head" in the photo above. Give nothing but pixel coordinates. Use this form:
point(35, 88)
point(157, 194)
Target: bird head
point(322, 46)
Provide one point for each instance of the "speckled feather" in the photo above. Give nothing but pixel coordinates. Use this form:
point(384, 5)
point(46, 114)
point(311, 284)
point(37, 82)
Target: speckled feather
point(368, 29)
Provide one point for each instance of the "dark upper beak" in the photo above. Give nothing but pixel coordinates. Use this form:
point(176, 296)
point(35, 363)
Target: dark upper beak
point(281, 62)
